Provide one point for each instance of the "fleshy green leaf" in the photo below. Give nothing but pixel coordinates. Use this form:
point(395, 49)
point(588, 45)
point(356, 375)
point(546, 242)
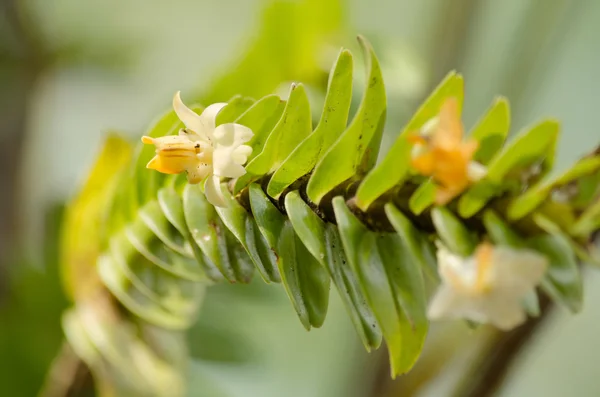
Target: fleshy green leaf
point(491, 130)
point(322, 241)
point(333, 122)
point(394, 168)
point(533, 197)
point(141, 237)
point(414, 242)
point(589, 221)
point(355, 152)
point(393, 289)
point(261, 118)
point(585, 254)
point(207, 230)
point(152, 215)
point(174, 294)
point(244, 228)
point(563, 279)
point(304, 279)
point(172, 207)
point(534, 146)
point(292, 128)
point(500, 232)
point(81, 231)
point(118, 284)
point(235, 107)
point(423, 197)
point(453, 232)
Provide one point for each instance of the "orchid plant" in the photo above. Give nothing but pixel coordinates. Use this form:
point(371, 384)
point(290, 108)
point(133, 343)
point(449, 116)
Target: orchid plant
point(249, 186)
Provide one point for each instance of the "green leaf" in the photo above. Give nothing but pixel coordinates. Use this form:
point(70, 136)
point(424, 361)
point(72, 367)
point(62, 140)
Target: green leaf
point(453, 232)
point(235, 107)
point(207, 230)
point(81, 230)
point(261, 118)
point(305, 281)
point(395, 166)
point(533, 197)
point(491, 130)
point(242, 225)
point(174, 294)
point(355, 152)
point(322, 241)
point(172, 207)
point(292, 128)
point(423, 197)
point(393, 290)
point(588, 222)
point(135, 301)
point(142, 238)
point(242, 264)
point(500, 232)
point(333, 121)
point(585, 254)
point(563, 279)
point(533, 146)
point(413, 241)
point(151, 214)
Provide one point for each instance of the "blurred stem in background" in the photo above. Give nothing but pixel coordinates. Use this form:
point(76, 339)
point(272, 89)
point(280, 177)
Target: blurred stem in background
point(22, 60)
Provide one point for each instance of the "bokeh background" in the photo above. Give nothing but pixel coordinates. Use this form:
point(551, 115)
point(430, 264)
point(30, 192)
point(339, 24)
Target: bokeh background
point(71, 71)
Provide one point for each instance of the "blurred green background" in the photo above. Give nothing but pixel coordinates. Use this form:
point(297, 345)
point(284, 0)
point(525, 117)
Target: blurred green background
point(70, 71)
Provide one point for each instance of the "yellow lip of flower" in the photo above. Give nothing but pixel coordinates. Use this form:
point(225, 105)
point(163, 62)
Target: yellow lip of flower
point(206, 151)
point(444, 155)
point(174, 154)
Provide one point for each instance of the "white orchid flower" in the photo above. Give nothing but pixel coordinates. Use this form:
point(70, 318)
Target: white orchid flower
point(488, 287)
point(207, 152)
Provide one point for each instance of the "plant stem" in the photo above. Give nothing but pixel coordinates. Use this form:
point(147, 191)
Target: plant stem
point(487, 374)
point(68, 376)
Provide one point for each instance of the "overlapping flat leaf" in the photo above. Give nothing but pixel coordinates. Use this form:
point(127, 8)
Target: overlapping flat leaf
point(235, 107)
point(244, 228)
point(323, 242)
point(491, 130)
point(534, 147)
point(453, 233)
point(134, 300)
point(82, 228)
point(563, 279)
point(292, 128)
point(333, 122)
point(356, 150)
point(534, 196)
point(393, 288)
point(208, 232)
point(420, 250)
point(306, 282)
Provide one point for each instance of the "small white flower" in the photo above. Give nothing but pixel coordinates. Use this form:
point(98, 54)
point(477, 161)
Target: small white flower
point(206, 151)
point(487, 287)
